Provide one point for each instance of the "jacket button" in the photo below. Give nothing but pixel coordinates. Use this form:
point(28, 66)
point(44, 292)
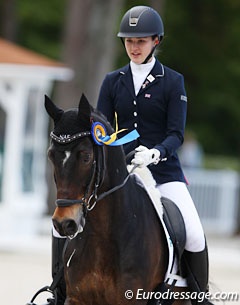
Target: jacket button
point(135, 125)
point(134, 103)
point(135, 113)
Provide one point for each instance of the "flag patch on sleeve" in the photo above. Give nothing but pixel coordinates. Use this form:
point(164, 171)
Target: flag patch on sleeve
point(183, 98)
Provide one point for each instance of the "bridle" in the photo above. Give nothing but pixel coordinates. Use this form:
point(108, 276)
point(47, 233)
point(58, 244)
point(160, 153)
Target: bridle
point(88, 201)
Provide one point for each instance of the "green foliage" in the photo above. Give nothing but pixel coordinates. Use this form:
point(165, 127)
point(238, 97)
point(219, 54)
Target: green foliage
point(202, 42)
point(221, 162)
point(41, 24)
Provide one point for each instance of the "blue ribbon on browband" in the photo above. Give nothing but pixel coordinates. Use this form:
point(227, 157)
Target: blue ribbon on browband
point(100, 136)
point(131, 136)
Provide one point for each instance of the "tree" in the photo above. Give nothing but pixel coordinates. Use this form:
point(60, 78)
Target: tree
point(89, 46)
point(202, 43)
point(8, 19)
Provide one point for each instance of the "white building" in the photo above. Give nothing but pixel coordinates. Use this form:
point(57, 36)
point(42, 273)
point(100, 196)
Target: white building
point(25, 77)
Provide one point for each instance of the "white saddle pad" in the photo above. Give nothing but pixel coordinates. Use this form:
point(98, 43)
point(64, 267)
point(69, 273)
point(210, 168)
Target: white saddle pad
point(145, 179)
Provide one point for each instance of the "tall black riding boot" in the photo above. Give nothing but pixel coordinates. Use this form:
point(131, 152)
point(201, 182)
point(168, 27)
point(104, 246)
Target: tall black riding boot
point(195, 265)
point(57, 266)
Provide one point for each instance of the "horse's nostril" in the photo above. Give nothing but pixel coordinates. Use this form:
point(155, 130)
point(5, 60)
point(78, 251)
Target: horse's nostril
point(66, 227)
point(69, 227)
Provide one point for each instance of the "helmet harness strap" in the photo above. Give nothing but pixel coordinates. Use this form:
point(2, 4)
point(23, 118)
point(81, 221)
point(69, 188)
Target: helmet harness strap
point(150, 54)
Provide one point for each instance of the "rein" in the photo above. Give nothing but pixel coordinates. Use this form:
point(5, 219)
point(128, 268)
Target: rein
point(86, 204)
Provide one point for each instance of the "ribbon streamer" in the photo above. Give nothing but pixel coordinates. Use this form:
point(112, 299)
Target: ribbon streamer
point(100, 136)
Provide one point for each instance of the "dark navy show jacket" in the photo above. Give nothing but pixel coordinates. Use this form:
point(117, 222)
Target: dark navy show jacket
point(158, 113)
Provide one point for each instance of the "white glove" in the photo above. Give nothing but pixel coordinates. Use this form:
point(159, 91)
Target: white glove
point(144, 156)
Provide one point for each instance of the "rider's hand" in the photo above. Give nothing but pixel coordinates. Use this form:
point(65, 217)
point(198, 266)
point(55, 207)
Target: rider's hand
point(144, 156)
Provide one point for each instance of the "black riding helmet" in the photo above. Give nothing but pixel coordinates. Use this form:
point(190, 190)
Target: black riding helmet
point(141, 21)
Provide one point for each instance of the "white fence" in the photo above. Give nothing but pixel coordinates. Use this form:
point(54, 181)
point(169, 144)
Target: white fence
point(216, 196)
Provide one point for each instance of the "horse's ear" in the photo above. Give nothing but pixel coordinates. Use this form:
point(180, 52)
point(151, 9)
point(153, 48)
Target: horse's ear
point(54, 112)
point(84, 111)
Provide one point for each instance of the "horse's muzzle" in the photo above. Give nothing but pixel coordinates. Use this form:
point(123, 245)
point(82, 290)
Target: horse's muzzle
point(69, 227)
point(66, 227)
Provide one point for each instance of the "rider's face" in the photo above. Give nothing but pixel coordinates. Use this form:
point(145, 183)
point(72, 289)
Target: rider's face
point(139, 48)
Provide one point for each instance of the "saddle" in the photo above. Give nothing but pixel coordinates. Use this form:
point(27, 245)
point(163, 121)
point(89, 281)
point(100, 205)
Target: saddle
point(174, 222)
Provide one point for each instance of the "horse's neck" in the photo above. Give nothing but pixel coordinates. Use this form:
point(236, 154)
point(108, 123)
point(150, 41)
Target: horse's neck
point(110, 213)
point(116, 168)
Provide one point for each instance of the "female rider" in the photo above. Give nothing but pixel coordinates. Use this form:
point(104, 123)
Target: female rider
point(150, 97)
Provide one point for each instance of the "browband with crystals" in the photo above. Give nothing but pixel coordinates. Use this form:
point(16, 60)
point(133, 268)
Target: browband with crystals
point(99, 135)
point(64, 139)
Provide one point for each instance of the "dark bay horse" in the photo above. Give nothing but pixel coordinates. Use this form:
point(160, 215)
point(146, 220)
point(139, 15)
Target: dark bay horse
point(116, 242)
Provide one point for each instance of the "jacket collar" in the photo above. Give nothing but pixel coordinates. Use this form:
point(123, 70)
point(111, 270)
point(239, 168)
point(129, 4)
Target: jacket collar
point(157, 70)
point(127, 79)
point(156, 73)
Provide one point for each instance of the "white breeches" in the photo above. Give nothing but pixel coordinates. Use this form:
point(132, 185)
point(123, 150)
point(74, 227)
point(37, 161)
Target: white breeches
point(179, 194)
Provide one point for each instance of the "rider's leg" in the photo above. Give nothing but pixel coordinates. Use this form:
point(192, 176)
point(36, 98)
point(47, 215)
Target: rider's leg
point(196, 266)
point(196, 255)
point(178, 193)
point(57, 263)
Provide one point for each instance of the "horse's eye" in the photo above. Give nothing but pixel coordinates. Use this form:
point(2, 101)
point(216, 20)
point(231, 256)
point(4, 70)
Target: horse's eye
point(86, 157)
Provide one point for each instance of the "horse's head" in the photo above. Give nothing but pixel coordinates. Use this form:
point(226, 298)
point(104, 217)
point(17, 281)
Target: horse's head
point(78, 164)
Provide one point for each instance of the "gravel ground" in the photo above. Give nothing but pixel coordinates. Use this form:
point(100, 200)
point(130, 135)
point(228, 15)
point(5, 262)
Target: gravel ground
point(25, 270)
